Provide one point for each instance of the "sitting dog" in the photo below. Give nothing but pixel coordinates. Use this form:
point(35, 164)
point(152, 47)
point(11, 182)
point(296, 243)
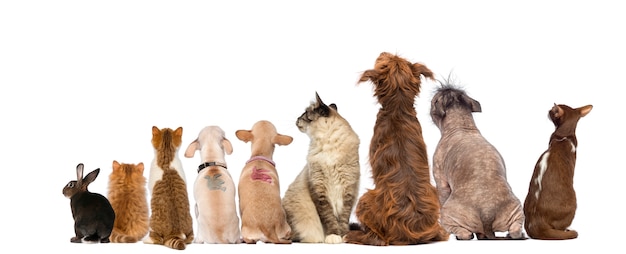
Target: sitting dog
point(262, 215)
point(470, 173)
point(214, 189)
point(402, 208)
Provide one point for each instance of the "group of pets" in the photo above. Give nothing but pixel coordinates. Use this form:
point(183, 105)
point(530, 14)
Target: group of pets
point(470, 198)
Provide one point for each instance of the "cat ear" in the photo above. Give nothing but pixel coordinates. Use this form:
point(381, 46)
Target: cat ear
point(155, 130)
point(140, 167)
point(282, 140)
point(244, 135)
point(116, 165)
point(191, 149)
point(228, 147)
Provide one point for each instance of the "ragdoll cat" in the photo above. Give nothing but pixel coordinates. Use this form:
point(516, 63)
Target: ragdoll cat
point(320, 200)
point(170, 221)
point(127, 194)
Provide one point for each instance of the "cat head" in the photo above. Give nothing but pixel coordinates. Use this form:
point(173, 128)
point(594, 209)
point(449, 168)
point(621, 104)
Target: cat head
point(166, 138)
point(317, 109)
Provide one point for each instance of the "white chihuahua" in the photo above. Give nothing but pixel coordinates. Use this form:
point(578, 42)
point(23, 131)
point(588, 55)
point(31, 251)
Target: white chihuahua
point(214, 189)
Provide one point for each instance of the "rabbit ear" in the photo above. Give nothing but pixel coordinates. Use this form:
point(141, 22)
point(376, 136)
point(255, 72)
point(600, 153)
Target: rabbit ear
point(90, 177)
point(79, 173)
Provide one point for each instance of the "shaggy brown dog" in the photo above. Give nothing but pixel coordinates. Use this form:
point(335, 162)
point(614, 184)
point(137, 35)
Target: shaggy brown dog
point(403, 207)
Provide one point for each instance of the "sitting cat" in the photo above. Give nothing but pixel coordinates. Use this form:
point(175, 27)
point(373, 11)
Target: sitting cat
point(171, 223)
point(128, 196)
point(320, 200)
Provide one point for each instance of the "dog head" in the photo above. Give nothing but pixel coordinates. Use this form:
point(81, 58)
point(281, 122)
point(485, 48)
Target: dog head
point(395, 76)
point(212, 144)
point(263, 138)
point(448, 98)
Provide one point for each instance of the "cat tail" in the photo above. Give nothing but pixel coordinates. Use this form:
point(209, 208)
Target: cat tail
point(117, 237)
point(175, 242)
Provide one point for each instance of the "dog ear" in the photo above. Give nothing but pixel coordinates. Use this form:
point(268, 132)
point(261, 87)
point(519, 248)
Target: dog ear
point(584, 110)
point(474, 104)
point(191, 149)
point(282, 140)
point(371, 75)
point(244, 135)
point(420, 69)
point(228, 147)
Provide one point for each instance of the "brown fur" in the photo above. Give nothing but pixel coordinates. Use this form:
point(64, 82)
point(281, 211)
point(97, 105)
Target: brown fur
point(551, 201)
point(127, 194)
point(403, 207)
point(262, 215)
point(170, 221)
point(470, 173)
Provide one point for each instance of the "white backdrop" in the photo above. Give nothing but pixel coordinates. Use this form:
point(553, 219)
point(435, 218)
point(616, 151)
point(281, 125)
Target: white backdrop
point(84, 81)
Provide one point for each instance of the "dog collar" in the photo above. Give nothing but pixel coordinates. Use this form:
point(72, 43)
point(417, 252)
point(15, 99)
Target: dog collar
point(208, 164)
point(263, 158)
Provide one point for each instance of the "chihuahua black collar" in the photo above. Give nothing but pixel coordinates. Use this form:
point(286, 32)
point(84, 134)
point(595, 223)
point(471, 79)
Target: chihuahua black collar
point(211, 163)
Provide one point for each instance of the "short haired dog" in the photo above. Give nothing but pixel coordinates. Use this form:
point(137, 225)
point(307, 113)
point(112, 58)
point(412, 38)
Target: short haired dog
point(262, 215)
point(214, 189)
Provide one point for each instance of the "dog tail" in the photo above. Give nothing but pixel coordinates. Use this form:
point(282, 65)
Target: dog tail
point(360, 234)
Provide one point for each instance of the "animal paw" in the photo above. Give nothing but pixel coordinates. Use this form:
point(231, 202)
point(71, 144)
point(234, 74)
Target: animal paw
point(332, 238)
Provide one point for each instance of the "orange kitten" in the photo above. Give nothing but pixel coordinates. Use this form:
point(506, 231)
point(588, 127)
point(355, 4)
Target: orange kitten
point(170, 221)
point(127, 194)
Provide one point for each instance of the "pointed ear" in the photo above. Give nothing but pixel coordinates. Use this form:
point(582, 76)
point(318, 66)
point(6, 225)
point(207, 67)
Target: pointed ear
point(191, 149)
point(179, 131)
point(585, 110)
point(140, 167)
point(91, 177)
point(155, 130)
point(116, 165)
point(244, 135)
point(228, 147)
point(282, 140)
point(557, 111)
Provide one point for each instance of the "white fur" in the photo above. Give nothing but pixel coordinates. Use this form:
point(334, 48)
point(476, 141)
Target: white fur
point(216, 212)
point(543, 166)
point(156, 172)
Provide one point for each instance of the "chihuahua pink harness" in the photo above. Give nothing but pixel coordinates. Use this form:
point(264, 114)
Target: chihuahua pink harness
point(261, 173)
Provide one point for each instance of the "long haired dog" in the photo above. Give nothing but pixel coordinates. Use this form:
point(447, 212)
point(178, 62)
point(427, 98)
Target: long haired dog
point(403, 207)
point(470, 173)
point(550, 204)
point(263, 217)
point(214, 188)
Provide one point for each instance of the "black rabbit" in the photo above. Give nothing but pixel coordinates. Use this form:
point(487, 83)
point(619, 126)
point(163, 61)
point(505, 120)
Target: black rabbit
point(92, 212)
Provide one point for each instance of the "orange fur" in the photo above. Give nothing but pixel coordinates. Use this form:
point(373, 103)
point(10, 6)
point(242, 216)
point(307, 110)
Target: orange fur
point(403, 207)
point(127, 194)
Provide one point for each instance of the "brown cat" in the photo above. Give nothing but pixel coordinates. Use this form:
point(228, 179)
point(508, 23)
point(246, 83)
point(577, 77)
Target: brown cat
point(320, 200)
point(170, 221)
point(127, 194)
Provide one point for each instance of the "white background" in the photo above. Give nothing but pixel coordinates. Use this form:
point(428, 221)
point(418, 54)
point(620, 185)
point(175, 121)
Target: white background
point(84, 82)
